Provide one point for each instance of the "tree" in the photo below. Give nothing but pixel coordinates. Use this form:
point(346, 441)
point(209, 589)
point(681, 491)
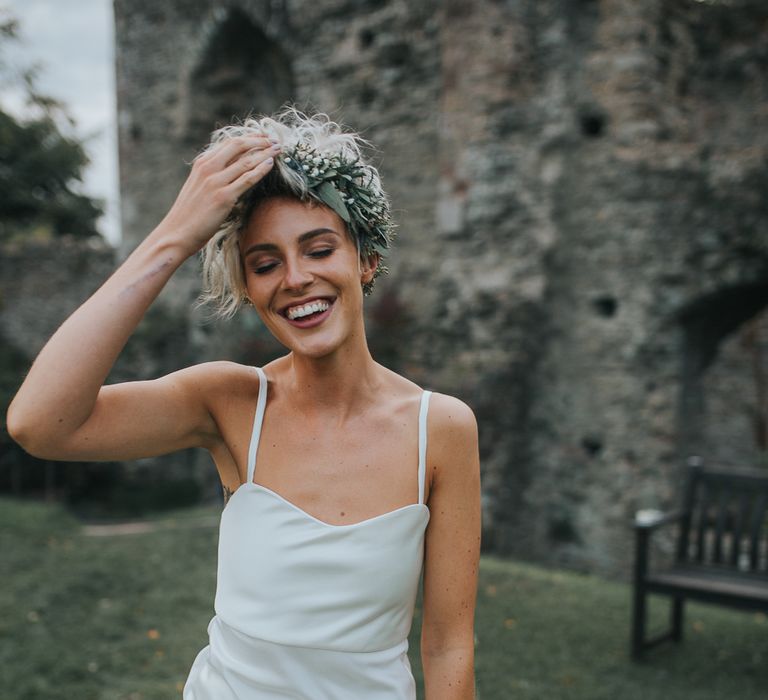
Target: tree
point(40, 164)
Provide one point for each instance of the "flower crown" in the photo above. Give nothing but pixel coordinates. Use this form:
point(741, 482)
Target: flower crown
point(346, 187)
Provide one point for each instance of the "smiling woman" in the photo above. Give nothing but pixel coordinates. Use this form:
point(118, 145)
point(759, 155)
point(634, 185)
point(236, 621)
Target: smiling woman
point(365, 479)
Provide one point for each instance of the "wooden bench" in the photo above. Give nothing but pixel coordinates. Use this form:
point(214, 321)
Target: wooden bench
point(721, 553)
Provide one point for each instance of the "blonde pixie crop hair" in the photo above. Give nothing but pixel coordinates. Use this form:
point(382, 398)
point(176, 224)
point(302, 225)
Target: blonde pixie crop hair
point(318, 162)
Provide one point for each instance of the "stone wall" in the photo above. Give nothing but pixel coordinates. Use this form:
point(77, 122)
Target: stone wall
point(42, 282)
point(579, 187)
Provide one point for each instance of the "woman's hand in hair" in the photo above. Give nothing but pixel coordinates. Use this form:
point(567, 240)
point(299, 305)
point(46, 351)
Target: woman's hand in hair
point(219, 176)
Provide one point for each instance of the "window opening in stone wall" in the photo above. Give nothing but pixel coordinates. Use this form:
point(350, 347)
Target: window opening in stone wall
point(240, 71)
point(592, 124)
point(724, 408)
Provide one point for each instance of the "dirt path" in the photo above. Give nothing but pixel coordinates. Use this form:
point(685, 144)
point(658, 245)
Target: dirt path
point(139, 527)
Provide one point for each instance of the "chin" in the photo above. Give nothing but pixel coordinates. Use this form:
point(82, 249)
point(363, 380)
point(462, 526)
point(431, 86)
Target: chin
point(313, 351)
point(308, 347)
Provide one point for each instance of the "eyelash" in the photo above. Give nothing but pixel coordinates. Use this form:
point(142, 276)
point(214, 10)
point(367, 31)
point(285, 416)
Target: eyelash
point(325, 252)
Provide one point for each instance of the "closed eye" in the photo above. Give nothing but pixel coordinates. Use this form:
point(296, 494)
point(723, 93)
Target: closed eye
point(321, 253)
point(325, 252)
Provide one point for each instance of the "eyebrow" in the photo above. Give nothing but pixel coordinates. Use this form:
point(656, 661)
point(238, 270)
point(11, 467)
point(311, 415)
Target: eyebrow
point(303, 237)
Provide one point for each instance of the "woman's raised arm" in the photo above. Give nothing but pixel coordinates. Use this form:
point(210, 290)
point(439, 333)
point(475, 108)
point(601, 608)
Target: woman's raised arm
point(62, 410)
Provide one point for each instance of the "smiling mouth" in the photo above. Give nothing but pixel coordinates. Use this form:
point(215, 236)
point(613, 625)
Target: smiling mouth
point(309, 314)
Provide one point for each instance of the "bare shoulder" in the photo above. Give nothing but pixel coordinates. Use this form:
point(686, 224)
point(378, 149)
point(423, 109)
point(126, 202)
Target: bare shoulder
point(452, 452)
point(450, 418)
point(213, 382)
point(216, 374)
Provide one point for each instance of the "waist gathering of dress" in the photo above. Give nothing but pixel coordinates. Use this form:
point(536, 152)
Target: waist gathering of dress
point(309, 610)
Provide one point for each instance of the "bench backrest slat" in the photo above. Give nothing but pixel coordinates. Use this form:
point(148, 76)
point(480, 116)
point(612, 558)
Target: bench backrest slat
point(741, 519)
point(756, 530)
point(721, 517)
point(701, 515)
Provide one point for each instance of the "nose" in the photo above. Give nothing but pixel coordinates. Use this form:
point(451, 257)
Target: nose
point(296, 275)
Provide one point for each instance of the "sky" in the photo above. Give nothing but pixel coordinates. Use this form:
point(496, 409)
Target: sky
point(73, 42)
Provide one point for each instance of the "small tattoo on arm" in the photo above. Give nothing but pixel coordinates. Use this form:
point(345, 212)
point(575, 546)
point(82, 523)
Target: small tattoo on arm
point(144, 278)
point(227, 493)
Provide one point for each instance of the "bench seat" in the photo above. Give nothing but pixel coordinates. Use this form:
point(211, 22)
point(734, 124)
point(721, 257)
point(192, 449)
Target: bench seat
point(741, 589)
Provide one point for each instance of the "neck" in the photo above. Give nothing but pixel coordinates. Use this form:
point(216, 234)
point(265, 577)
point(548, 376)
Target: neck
point(335, 386)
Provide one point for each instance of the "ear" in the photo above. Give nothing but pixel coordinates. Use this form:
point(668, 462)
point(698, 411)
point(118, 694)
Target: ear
point(368, 267)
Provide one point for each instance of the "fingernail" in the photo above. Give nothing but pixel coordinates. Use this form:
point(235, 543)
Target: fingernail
point(276, 147)
point(270, 160)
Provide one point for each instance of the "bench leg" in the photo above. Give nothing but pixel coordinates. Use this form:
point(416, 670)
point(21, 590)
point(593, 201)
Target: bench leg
point(638, 623)
point(678, 603)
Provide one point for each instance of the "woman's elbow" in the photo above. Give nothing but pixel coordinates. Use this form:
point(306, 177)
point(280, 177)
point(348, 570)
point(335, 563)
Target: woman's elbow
point(15, 424)
point(24, 432)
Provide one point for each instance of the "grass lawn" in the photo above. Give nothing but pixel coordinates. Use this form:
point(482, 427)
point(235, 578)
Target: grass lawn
point(122, 617)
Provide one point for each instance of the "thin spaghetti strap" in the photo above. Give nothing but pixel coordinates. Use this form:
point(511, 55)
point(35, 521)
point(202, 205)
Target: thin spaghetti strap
point(258, 419)
point(423, 441)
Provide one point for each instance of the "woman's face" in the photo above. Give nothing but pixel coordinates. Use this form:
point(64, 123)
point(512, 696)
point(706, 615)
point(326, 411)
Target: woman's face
point(296, 254)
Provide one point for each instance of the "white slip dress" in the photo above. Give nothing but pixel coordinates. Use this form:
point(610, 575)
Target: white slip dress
point(309, 610)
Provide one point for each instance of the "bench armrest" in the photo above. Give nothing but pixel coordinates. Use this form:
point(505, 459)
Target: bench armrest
point(645, 523)
point(650, 520)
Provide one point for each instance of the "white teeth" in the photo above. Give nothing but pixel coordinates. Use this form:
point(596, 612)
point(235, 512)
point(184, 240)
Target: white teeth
point(306, 309)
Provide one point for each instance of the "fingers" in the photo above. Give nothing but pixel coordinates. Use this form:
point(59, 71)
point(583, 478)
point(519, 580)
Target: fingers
point(250, 177)
point(248, 161)
point(221, 156)
point(234, 166)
